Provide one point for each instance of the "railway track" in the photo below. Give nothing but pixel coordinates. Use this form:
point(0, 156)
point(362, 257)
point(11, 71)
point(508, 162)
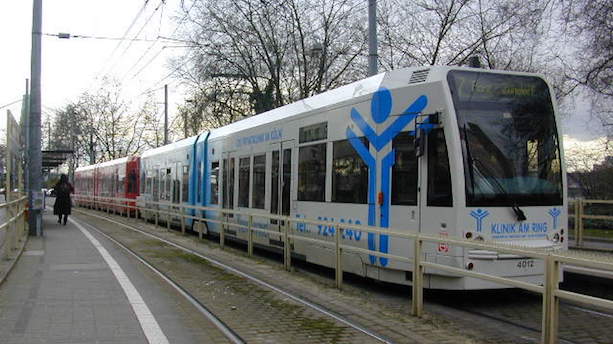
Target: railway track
point(233, 334)
point(227, 331)
point(500, 320)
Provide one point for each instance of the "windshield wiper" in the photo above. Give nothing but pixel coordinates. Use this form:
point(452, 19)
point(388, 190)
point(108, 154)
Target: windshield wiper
point(469, 156)
point(519, 214)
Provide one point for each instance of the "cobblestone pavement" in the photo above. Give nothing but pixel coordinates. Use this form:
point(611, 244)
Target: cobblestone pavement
point(262, 316)
point(481, 316)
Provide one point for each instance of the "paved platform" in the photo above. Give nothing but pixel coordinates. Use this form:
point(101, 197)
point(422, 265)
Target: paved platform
point(62, 290)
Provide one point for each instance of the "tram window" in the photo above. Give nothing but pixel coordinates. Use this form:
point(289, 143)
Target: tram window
point(169, 183)
point(404, 171)
point(314, 132)
point(287, 181)
point(148, 186)
point(349, 174)
point(274, 182)
point(244, 166)
point(439, 177)
point(312, 173)
point(225, 183)
point(198, 182)
point(259, 181)
point(215, 182)
point(228, 184)
point(232, 186)
point(132, 188)
point(185, 184)
point(143, 184)
point(163, 184)
point(156, 185)
point(176, 185)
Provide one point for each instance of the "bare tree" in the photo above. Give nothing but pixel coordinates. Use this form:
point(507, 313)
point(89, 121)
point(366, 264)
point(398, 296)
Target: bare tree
point(253, 56)
point(430, 32)
point(100, 126)
point(590, 165)
point(590, 23)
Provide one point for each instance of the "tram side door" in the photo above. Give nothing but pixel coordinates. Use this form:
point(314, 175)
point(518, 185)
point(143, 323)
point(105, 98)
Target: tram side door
point(280, 181)
point(436, 201)
point(229, 170)
point(405, 179)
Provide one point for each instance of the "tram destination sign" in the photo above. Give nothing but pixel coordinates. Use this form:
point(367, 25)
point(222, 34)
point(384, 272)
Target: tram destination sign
point(489, 87)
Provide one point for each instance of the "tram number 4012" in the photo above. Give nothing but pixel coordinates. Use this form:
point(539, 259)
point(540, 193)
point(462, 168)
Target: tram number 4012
point(526, 263)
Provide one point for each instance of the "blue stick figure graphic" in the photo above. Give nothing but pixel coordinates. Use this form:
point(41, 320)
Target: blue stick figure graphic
point(479, 215)
point(554, 213)
point(381, 108)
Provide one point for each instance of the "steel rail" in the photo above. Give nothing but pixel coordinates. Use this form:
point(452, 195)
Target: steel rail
point(254, 279)
point(222, 326)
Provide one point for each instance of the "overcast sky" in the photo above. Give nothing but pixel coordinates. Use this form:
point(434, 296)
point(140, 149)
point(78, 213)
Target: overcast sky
point(71, 66)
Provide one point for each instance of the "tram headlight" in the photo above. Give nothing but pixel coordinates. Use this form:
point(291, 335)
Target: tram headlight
point(556, 238)
point(470, 266)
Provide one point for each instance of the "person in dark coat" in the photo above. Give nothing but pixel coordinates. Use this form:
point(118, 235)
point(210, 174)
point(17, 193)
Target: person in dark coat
point(63, 204)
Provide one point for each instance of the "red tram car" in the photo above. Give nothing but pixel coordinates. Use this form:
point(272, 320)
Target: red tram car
point(117, 178)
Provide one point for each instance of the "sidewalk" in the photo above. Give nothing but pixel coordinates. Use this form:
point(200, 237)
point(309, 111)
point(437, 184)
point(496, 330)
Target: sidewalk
point(63, 291)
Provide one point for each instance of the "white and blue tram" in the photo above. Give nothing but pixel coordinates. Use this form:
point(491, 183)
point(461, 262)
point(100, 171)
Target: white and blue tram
point(450, 151)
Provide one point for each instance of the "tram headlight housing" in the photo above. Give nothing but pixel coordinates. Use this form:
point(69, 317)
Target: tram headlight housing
point(556, 238)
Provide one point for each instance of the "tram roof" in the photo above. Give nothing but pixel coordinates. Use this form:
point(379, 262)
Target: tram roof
point(170, 147)
point(113, 162)
point(319, 101)
point(86, 168)
point(392, 79)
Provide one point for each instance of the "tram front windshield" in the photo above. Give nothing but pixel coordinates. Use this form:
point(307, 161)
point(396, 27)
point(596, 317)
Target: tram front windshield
point(509, 139)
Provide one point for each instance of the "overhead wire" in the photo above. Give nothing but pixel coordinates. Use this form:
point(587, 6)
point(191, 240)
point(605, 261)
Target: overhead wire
point(160, 38)
point(140, 12)
point(11, 103)
point(148, 49)
point(125, 50)
point(167, 38)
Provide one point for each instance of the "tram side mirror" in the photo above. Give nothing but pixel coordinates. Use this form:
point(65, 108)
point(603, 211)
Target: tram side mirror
point(420, 142)
point(430, 122)
point(435, 119)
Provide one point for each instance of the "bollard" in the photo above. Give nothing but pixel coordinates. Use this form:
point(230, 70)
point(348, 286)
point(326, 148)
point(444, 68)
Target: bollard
point(339, 259)
point(168, 220)
point(250, 236)
point(199, 224)
point(418, 279)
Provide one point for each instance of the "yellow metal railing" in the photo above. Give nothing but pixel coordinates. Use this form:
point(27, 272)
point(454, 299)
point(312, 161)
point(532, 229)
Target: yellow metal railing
point(553, 259)
point(14, 228)
point(579, 215)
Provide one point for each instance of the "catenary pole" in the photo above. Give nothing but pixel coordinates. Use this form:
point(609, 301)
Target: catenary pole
point(372, 37)
point(35, 154)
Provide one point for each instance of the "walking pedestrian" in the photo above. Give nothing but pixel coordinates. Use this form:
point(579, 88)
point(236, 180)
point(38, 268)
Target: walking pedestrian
point(63, 203)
